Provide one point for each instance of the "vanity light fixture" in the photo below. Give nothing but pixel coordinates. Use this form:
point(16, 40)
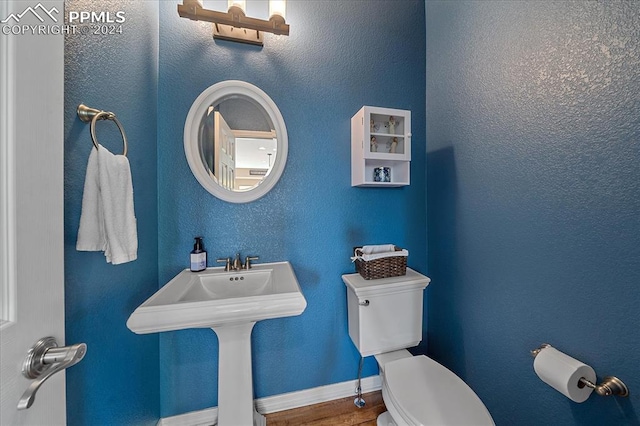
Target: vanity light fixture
point(235, 25)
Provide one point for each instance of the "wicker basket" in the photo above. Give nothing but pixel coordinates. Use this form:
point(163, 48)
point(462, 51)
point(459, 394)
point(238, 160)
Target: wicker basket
point(393, 266)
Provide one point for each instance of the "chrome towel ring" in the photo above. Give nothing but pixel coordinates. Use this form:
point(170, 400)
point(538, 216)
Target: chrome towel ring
point(92, 115)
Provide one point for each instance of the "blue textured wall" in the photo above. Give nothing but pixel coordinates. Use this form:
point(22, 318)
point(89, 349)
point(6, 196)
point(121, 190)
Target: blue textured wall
point(533, 135)
point(339, 56)
point(117, 382)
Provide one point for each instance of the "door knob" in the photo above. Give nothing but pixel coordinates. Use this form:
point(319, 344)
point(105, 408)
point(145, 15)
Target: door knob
point(45, 359)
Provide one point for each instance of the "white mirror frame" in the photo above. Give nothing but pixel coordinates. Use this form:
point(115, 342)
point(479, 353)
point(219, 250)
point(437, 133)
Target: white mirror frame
point(211, 96)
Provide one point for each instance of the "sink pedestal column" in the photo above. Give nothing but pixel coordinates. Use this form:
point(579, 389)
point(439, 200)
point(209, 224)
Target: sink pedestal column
point(235, 378)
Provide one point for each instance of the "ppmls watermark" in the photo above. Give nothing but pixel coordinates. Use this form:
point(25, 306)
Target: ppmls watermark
point(38, 20)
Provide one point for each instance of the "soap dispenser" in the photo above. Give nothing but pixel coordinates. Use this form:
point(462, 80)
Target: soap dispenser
point(198, 256)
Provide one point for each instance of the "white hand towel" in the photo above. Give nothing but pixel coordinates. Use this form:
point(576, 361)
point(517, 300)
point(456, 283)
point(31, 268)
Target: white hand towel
point(380, 248)
point(108, 221)
point(368, 253)
point(91, 234)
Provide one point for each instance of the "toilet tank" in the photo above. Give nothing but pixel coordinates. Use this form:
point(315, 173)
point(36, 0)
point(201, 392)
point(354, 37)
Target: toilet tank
point(385, 314)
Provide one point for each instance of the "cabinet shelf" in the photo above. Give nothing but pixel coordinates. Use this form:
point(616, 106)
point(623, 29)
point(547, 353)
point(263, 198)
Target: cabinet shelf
point(380, 138)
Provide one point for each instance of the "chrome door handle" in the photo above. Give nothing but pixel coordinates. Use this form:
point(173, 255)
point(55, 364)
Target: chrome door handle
point(45, 359)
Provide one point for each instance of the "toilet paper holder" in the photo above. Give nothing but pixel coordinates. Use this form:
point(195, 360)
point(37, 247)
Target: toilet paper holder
point(610, 385)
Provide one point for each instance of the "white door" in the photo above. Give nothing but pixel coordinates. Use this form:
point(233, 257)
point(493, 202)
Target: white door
point(225, 151)
point(31, 205)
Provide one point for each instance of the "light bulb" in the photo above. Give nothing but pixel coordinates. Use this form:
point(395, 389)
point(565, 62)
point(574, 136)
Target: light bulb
point(277, 8)
point(242, 4)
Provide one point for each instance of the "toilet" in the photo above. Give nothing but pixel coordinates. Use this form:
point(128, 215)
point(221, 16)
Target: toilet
point(385, 318)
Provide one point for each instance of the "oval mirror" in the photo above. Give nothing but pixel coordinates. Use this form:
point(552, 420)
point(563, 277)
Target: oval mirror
point(235, 141)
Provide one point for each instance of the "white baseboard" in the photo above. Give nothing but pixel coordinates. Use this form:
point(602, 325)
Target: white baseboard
point(285, 401)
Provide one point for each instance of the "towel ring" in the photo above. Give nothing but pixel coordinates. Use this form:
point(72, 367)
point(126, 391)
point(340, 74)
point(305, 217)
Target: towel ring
point(87, 114)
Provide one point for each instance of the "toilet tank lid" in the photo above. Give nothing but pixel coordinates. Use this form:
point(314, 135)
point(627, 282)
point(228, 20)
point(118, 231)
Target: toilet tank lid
point(411, 281)
point(429, 394)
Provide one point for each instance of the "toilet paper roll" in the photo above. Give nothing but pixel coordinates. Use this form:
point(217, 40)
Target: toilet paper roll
point(563, 373)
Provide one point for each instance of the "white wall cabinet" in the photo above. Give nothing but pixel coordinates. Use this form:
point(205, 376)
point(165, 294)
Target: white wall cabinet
point(380, 147)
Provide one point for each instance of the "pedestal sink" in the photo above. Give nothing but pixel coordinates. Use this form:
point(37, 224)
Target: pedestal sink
point(230, 303)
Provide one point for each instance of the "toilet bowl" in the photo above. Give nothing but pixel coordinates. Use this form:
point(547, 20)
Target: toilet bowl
point(385, 318)
point(418, 391)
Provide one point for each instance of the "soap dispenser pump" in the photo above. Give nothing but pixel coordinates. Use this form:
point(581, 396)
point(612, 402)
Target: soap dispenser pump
point(198, 256)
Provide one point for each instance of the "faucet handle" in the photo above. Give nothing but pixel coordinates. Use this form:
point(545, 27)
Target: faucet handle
point(227, 262)
point(248, 260)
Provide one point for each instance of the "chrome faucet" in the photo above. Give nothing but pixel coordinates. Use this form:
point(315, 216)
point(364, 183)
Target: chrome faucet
point(236, 264)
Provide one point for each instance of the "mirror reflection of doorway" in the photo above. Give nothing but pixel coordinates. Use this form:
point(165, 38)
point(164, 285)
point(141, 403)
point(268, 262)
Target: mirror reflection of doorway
point(225, 147)
point(237, 159)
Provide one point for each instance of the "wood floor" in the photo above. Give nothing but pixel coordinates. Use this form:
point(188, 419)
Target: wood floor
point(340, 412)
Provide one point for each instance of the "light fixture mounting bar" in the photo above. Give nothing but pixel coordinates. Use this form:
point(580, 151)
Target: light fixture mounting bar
point(234, 18)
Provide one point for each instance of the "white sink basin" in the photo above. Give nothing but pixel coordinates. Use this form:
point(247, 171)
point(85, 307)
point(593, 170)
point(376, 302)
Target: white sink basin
point(228, 286)
point(214, 297)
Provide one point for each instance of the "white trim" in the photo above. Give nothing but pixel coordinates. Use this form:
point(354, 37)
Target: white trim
point(8, 314)
point(285, 401)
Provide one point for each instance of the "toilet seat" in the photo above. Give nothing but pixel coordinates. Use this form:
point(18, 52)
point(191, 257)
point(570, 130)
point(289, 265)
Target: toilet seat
point(425, 393)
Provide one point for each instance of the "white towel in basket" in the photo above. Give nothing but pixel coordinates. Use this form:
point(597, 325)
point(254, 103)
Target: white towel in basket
point(380, 248)
point(368, 253)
